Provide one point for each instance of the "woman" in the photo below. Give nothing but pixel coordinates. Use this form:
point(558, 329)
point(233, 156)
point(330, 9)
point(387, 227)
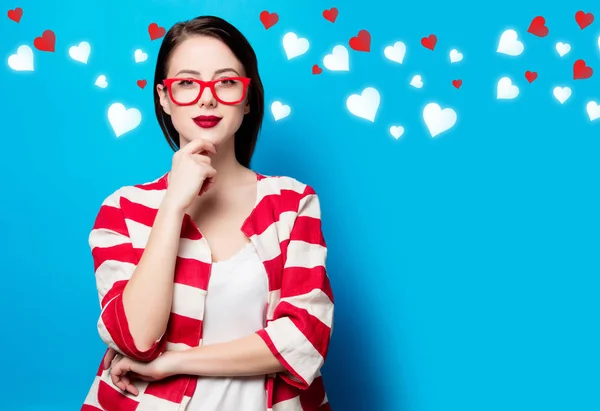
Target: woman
point(211, 278)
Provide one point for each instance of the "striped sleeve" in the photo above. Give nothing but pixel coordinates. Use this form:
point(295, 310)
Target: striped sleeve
point(299, 333)
point(114, 261)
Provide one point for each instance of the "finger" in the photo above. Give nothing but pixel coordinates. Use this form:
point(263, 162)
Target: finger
point(108, 357)
point(201, 158)
point(129, 387)
point(198, 145)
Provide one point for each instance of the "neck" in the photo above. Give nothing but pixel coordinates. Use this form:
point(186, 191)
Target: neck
point(229, 171)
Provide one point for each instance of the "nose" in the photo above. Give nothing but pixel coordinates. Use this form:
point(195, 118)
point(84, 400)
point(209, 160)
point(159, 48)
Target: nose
point(207, 98)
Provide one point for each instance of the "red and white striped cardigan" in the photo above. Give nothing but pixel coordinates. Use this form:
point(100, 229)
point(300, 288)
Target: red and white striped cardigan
point(285, 229)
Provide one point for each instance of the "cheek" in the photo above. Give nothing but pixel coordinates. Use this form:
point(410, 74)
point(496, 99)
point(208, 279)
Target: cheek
point(235, 115)
point(181, 117)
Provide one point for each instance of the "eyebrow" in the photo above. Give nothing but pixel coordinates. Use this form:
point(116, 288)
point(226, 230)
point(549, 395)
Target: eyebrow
point(197, 73)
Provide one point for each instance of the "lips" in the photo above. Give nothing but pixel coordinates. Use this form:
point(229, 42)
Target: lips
point(206, 121)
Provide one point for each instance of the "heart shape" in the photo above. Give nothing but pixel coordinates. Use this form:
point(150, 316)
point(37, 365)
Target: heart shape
point(316, 69)
point(538, 27)
point(506, 89)
point(457, 83)
point(140, 56)
point(81, 52)
point(583, 19)
point(531, 76)
point(101, 81)
point(364, 105)
point(455, 56)
point(123, 120)
point(438, 120)
point(562, 48)
point(509, 43)
point(396, 52)
point(338, 60)
point(396, 131)
point(429, 42)
point(268, 20)
point(155, 31)
point(280, 110)
point(142, 83)
point(16, 14)
point(417, 81)
point(22, 60)
point(562, 94)
point(46, 42)
point(331, 14)
point(294, 46)
point(581, 71)
point(593, 110)
point(361, 42)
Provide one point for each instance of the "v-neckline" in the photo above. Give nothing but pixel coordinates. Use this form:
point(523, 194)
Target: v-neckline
point(243, 227)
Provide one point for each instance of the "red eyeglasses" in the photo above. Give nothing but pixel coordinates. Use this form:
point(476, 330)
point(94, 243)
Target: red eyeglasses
point(187, 91)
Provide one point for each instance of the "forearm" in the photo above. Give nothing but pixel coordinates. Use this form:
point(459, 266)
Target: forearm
point(242, 357)
point(148, 295)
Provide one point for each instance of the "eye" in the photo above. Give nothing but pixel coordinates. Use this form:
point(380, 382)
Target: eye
point(228, 82)
point(185, 83)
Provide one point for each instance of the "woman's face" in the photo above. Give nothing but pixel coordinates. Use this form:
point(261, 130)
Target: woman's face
point(204, 58)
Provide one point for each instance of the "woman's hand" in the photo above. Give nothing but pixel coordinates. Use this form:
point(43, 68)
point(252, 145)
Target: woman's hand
point(124, 370)
point(191, 173)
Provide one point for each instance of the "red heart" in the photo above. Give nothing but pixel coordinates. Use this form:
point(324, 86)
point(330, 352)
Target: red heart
point(429, 42)
point(362, 42)
point(538, 27)
point(581, 70)
point(16, 14)
point(268, 19)
point(584, 19)
point(316, 69)
point(457, 83)
point(531, 75)
point(46, 42)
point(156, 31)
point(141, 83)
point(331, 14)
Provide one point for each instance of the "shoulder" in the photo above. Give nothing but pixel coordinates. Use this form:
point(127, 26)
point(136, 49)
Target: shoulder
point(291, 194)
point(148, 193)
point(286, 185)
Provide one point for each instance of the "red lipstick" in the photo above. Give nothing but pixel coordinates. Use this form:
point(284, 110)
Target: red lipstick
point(206, 121)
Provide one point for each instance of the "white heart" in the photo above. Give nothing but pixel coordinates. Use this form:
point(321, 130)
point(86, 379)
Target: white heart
point(438, 120)
point(562, 94)
point(140, 56)
point(396, 52)
point(593, 110)
point(280, 110)
point(455, 56)
point(294, 46)
point(396, 131)
point(562, 48)
point(22, 60)
point(509, 43)
point(123, 120)
point(506, 89)
point(364, 105)
point(81, 52)
point(338, 60)
point(417, 81)
point(101, 81)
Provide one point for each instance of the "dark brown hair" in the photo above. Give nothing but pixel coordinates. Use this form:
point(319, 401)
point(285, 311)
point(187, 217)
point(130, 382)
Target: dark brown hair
point(247, 134)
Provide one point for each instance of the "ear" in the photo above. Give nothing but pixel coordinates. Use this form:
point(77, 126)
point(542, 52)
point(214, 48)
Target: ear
point(247, 108)
point(164, 99)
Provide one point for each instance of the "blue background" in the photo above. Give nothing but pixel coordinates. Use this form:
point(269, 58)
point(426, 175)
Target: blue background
point(465, 267)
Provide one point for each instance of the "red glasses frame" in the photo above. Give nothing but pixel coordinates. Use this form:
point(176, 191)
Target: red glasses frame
point(168, 82)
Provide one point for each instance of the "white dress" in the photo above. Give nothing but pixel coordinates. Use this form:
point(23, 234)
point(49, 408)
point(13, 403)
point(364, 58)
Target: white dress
point(235, 307)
